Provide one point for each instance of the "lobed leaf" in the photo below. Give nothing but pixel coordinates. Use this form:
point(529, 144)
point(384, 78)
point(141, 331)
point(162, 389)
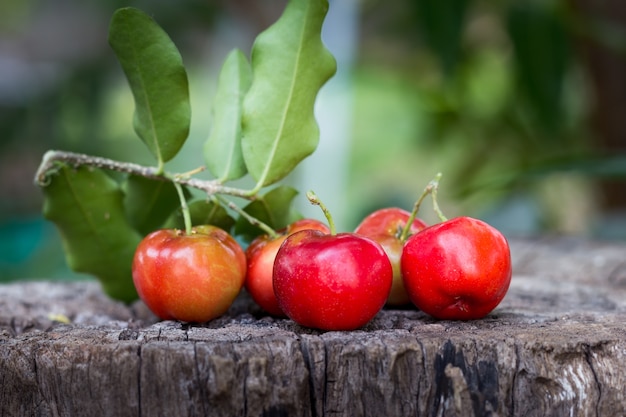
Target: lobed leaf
point(86, 205)
point(157, 78)
point(222, 151)
point(289, 64)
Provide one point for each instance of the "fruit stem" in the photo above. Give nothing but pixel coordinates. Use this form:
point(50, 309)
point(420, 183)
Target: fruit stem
point(184, 207)
point(314, 199)
point(251, 219)
point(431, 188)
point(435, 188)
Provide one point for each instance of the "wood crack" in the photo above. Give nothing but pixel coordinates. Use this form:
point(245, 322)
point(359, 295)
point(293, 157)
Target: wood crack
point(598, 384)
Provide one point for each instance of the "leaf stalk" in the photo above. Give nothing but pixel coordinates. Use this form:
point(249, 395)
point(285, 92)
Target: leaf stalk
point(184, 207)
point(251, 219)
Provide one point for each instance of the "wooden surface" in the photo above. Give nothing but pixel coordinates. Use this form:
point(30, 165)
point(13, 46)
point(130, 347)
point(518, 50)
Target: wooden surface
point(556, 346)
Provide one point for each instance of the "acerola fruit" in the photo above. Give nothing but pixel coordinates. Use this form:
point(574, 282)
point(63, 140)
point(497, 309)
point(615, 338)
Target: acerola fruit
point(189, 277)
point(459, 269)
point(385, 226)
point(261, 254)
point(331, 282)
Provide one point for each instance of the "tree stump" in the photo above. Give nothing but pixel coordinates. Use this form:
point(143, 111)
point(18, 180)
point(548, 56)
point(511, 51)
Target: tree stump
point(556, 346)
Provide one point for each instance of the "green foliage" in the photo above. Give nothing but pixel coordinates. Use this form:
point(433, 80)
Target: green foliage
point(596, 166)
point(222, 151)
point(148, 203)
point(504, 103)
point(264, 125)
point(290, 64)
point(541, 58)
point(442, 23)
point(158, 80)
point(202, 212)
point(273, 209)
point(87, 207)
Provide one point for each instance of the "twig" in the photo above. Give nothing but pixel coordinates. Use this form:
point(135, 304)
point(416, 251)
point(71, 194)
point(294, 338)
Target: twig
point(51, 158)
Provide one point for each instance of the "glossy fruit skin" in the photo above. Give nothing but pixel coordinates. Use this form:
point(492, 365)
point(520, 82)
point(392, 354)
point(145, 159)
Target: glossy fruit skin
point(388, 221)
point(331, 282)
point(261, 254)
point(384, 226)
point(457, 270)
point(191, 278)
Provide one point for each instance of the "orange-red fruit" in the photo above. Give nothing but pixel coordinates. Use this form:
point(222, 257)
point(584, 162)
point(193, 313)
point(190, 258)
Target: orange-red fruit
point(189, 277)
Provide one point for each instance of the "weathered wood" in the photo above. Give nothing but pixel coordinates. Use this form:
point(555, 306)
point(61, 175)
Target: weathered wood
point(555, 346)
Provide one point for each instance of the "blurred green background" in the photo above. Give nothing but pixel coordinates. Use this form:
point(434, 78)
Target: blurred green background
point(520, 104)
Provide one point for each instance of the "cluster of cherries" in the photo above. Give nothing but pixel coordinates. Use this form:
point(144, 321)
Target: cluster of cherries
point(457, 269)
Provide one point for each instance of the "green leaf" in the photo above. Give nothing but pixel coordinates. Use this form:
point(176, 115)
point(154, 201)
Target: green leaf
point(222, 151)
point(608, 167)
point(442, 23)
point(86, 205)
point(273, 208)
point(541, 51)
point(289, 64)
point(157, 78)
point(202, 212)
point(149, 203)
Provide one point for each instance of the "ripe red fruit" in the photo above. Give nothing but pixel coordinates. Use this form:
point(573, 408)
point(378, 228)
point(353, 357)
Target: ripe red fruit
point(388, 221)
point(385, 226)
point(261, 254)
point(189, 277)
point(458, 269)
point(331, 282)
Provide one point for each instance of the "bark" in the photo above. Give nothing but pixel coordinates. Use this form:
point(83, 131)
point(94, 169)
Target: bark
point(556, 346)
